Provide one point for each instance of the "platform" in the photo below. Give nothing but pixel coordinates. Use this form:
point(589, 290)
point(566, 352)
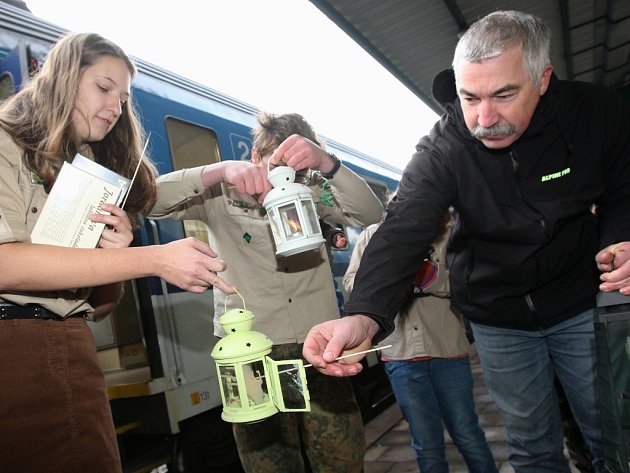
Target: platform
point(389, 443)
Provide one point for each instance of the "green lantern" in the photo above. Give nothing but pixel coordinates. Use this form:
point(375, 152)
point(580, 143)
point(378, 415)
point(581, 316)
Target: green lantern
point(253, 386)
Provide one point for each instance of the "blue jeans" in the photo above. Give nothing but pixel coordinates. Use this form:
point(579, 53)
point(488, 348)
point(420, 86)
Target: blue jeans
point(519, 367)
point(435, 391)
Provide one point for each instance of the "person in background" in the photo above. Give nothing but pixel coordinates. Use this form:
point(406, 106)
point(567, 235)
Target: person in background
point(286, 294)
point(428, 365)
point(335, 239)
point(522, 157)
point(334, 236)
point(54, 410)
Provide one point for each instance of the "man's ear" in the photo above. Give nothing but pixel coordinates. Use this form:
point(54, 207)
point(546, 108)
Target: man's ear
point(255, 156)
point(546, 77)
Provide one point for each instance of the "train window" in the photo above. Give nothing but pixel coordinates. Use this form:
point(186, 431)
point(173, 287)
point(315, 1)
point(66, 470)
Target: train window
point(380, 189)
point(192, 145)
point(197, 229)
point(119, 337)
point(7, 86)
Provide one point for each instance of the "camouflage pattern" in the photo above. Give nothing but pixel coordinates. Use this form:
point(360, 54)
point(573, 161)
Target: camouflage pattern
point(330, 437)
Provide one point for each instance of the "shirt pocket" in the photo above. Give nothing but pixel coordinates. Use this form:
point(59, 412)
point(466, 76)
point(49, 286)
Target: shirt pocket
point(248, 223)
point(34, 207)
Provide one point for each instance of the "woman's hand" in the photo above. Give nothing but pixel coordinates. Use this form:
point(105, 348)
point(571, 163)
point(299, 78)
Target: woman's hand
point(118, 232)
point(191, 265)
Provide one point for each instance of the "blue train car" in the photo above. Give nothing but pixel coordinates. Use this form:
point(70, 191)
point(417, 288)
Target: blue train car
point(155, 348)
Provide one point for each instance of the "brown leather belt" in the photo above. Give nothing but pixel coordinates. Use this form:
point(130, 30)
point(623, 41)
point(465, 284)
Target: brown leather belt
point(31, 311)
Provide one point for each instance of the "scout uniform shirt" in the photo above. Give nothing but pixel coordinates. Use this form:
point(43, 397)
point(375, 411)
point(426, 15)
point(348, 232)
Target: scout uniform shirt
point(428, 327)
point(288, 295)
point(22, 197)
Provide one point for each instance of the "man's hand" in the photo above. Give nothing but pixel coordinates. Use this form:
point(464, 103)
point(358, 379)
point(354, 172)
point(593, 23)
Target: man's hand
point(301, 153)
point(327, 341)
point(246, 177)
point(614, 263)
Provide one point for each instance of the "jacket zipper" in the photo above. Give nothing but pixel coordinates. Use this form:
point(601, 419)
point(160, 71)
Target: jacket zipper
point(515, 168)
point(530, 303)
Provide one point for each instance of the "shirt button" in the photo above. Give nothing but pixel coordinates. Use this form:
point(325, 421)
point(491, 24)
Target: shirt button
point(289, 301)
point(34, 210)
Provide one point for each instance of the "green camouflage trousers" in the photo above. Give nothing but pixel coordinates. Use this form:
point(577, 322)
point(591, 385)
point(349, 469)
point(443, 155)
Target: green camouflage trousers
point(330, 436)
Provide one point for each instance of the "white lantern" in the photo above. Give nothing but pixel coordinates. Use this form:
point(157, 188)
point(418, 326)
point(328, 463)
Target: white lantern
point(253, 386)
point(292, 215)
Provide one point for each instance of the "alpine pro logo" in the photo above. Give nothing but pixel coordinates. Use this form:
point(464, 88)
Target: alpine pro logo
point(555, 175)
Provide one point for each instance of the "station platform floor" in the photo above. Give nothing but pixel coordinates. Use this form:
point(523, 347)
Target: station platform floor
point(389, 442)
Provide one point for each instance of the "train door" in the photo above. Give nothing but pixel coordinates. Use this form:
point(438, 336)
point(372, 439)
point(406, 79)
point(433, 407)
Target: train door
point(341, 256)
point(191, 146)
point(206, 443)
point(155, 349)
point(371, 387)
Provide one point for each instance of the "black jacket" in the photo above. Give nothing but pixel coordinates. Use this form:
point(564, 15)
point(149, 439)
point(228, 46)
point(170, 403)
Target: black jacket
point(522, 252)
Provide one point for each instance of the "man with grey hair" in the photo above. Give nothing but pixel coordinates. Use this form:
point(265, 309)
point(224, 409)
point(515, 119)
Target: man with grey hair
point(538, 172)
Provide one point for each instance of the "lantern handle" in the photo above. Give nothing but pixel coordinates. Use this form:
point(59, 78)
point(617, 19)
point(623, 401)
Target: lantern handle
point(228, 296)
point(268, 169)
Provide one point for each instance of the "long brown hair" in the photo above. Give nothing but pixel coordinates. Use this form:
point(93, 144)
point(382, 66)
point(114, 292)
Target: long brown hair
point(39, 119)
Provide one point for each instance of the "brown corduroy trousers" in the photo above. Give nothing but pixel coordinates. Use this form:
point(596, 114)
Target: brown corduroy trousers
point(54, 410)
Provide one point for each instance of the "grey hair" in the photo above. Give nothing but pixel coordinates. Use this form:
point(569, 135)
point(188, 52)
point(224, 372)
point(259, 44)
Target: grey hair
point(495, 33)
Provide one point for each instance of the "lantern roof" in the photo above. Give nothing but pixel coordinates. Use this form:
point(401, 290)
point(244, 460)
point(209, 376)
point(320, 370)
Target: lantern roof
point(241, 342)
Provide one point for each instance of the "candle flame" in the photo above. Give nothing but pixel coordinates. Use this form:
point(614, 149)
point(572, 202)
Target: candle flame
point(295, 226)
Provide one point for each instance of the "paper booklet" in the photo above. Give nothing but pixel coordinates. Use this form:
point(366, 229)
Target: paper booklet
point(80, 190)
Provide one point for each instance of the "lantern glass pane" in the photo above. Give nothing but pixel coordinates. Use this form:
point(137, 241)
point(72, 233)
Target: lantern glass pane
point(229, 384)
point(273, 221)
point(308, 209)
point(256, 383)
point(292, 386)
point(291, 223)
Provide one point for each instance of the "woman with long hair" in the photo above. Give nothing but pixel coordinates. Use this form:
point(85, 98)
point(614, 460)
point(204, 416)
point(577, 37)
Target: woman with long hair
point(54, 410)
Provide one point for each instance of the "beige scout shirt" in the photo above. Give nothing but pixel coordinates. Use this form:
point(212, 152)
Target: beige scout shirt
point(21, 201)
point(288, 295)
point(429, 328)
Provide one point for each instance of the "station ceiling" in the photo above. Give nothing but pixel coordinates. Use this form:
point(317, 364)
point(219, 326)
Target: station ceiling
point(415, 39)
